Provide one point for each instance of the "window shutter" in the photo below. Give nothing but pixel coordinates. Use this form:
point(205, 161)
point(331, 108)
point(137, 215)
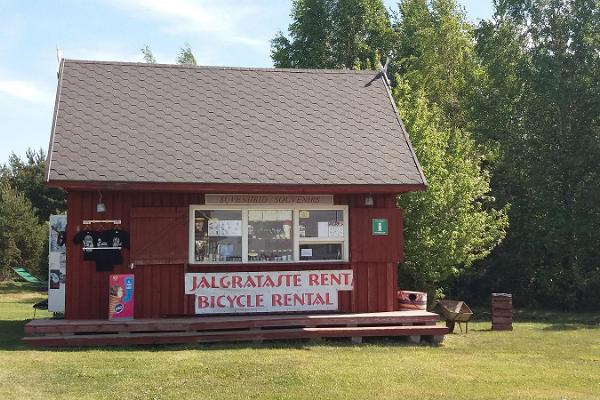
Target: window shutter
point(159, 235)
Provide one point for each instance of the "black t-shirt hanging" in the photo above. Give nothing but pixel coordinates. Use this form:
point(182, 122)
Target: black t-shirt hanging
point(98, 247)
point(88, 241)
point(106, 259)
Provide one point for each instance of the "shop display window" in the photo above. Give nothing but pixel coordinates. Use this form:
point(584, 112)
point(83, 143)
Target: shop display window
point(218, 235)
point(263, 233)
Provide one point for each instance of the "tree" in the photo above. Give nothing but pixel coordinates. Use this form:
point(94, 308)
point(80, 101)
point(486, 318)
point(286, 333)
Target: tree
point(435, 74)
point(451, 225)
point(22, 238)
point(454, 223)
point(435, 52)
point(334, 34)
point(148, 55)
point(541, 108)
point(27, 177)
point(311, 33)
point(186, 57)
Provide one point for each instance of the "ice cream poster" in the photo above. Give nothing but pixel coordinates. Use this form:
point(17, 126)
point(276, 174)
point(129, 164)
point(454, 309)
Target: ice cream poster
point(120, 297)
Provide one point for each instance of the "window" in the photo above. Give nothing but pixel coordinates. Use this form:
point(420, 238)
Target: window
point(268, 233)
point(218, 235)
point(322, 234)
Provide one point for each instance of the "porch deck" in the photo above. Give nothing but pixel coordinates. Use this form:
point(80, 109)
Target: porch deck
point(56, 332)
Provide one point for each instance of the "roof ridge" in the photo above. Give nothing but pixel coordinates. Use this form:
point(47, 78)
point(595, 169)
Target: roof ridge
point(223, 68)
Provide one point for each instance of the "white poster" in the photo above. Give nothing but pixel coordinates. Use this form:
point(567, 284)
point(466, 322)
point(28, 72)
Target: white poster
point(267, 291)
point(57, 265)
point(227, 228)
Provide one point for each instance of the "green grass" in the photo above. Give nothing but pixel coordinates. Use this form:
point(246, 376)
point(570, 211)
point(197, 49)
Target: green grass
point(547, 356)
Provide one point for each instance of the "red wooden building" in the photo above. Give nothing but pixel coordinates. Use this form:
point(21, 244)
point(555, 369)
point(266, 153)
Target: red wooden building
point(216, 172)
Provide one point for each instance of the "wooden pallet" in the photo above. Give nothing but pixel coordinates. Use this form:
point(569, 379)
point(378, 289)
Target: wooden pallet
point(415, 324)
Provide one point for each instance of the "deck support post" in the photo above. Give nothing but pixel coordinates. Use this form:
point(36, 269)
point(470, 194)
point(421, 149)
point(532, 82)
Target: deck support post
point(356, 339)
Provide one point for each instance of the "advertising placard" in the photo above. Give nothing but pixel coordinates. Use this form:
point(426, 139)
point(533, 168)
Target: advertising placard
point(267, 291)
point(120, 297)
point(57, 266)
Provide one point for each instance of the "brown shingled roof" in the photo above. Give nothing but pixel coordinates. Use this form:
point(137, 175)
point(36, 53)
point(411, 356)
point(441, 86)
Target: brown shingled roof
point(152, 123)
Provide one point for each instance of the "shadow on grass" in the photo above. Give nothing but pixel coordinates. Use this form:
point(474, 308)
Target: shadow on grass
point(12, 287)
point(545, 316)
point(11, 333)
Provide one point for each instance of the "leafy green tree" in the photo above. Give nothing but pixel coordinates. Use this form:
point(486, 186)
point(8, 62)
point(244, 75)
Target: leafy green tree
point(435, 52)
point(334, 34)
point(27, 177)
point(451, 225)
point(541, 107)
point(435, 73)
point(148, 55)
point(311, 34)
point(22, 238)
point(186, 57)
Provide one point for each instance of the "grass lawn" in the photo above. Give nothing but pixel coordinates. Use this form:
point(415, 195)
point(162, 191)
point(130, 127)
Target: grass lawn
point(547, 356)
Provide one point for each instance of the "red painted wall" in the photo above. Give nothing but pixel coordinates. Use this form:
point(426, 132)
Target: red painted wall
point(160, 265)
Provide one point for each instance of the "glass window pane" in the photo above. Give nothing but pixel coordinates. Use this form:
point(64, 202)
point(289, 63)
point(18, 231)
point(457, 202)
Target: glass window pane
point(321, 251)
point(218, 235)
point(321, 223)
point(270, 235)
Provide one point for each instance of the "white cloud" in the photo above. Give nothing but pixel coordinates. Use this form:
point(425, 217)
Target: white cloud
point(228, 21)
point(26, 90)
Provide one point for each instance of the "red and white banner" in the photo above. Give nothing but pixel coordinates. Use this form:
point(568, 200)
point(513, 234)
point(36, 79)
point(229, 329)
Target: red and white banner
point(267, 291)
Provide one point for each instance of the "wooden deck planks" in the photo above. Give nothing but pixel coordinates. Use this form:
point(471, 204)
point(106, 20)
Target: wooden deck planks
point(49, 332)
point(228, 336)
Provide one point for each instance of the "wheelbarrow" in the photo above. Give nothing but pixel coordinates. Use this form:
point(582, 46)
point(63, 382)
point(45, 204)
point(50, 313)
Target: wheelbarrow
point(455, 311)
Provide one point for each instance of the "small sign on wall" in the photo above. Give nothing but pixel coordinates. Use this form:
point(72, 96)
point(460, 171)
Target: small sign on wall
point(379, 226)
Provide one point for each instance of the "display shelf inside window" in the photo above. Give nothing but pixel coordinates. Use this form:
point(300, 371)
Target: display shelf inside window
point(321, 235)
point(218, 235)
point(270, 236)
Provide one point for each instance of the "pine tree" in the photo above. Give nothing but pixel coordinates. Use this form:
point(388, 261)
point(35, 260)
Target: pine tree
point(22, 238)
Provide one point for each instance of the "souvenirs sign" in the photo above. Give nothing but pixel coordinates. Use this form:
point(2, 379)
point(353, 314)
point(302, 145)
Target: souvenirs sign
point(268, 199)
point(267, 291)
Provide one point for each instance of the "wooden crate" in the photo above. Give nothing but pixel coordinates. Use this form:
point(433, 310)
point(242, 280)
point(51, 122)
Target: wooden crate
point(502, 312)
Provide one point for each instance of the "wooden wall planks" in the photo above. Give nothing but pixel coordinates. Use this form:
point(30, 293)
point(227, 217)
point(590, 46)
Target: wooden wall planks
point(159, 285)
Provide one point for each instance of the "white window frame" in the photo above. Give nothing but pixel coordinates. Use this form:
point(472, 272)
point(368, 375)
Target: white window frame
point(295, 208)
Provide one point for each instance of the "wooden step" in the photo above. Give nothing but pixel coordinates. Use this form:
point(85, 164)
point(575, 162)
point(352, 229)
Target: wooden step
point(397, 318)
point(228, 335)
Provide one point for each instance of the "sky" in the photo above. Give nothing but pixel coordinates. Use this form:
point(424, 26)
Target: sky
point(220, 32)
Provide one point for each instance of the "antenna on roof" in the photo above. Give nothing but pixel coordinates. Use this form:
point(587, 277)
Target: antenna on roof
point(383, 68)
point(59, 57)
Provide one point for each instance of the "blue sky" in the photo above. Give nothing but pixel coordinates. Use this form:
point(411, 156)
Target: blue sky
point(220, 32)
